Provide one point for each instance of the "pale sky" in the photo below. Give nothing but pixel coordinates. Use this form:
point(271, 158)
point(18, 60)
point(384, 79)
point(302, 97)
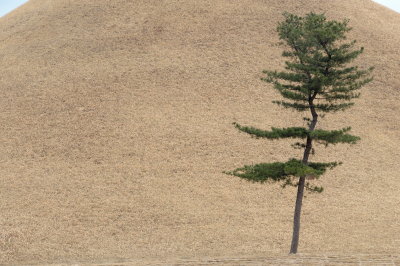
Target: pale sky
point(8, 5)
point(393, 4)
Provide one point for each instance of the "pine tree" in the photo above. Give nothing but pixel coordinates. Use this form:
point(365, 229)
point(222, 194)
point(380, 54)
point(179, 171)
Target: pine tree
point(317, 79)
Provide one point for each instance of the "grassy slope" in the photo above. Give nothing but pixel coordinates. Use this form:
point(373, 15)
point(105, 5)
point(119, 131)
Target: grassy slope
point(116, 127)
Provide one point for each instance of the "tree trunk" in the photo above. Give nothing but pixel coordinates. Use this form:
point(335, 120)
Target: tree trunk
point(302, 179)
point(297, 212)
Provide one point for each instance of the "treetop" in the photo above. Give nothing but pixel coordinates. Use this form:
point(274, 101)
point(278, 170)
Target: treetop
point(317, 66)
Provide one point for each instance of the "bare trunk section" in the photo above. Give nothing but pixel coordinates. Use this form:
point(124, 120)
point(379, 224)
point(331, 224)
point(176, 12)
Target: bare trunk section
point(297, 212)
point(300, 187)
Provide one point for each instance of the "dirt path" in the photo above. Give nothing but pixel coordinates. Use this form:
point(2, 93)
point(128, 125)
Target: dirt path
point(302, 259)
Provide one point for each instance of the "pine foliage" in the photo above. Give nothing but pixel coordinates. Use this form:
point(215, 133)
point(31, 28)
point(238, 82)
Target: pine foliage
point(319, 135)
point(317, 78)
point(279, 171)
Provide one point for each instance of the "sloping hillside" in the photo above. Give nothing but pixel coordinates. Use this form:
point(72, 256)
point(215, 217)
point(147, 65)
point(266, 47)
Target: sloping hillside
point(116, 124)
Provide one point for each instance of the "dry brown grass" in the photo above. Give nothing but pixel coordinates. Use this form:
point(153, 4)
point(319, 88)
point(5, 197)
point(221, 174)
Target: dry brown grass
point(116, 126)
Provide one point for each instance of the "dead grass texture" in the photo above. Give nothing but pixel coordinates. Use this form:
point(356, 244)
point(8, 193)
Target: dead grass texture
point(116, 127)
